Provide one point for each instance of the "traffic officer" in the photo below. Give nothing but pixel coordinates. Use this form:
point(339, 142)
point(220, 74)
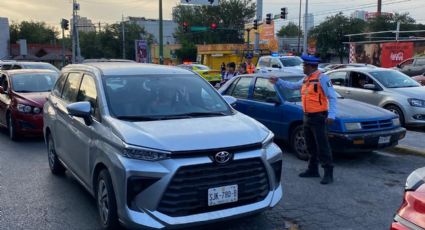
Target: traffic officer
point(319, 105)
point(250, 68)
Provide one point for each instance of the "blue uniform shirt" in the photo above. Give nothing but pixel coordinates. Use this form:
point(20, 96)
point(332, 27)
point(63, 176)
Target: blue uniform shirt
point(327, 87)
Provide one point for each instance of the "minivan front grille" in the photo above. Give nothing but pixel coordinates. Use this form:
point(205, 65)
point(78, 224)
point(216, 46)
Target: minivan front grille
point(377, 124)
point(188, 190)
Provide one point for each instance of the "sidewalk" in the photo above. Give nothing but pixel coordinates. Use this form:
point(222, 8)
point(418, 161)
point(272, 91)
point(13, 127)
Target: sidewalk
point(413, 143)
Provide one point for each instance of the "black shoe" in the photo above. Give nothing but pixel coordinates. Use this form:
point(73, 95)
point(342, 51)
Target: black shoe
point(310, 173)
point(328, 177)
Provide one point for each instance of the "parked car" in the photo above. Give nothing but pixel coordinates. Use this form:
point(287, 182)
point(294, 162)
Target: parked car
point(386, 88)
point(22, 97)
point(412, 67)
point(212, 76)
point(359, 127)
point(278, 64)
point(420, 79)
point(411, 213)
point(158, 146)
point(28, 65)
point(106, 60)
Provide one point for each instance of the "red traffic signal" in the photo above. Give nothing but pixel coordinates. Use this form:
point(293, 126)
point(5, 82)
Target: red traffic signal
point(213, 26)
point(185, 27)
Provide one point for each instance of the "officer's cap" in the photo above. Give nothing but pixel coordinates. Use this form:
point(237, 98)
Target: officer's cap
point(249, 56)
point(309, 59)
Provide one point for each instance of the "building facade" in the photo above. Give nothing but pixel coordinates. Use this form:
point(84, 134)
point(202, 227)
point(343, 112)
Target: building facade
point(84, 24)
point(4, 38)
point(359, 14)
point(152, 26)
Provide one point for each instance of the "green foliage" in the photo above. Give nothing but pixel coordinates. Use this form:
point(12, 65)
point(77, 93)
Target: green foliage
point(230, 16)
point(290, 30)
point(187, 52)
point(33, 32)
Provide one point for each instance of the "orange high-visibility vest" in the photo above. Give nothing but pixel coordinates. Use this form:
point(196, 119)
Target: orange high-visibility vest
point(312, 96)
point(250, 68)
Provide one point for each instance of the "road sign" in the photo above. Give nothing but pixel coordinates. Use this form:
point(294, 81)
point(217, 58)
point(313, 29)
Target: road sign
point(201, 2)
point(198, 28)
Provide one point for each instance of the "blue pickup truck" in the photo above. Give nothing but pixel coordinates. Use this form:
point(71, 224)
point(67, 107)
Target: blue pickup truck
point(358, 127)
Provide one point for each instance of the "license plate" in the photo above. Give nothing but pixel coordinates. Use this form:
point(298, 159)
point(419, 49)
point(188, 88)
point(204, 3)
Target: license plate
point(384, 140)
point(222, 195)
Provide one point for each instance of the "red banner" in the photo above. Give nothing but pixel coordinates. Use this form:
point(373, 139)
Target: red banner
point(394, 53)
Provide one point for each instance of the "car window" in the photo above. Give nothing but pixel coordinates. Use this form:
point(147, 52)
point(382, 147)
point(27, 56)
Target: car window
point(241, 89)
point(33, 82)
point(358, 80)
point(275, 63)
point(16, 67)
point(57, 89)
point(6, 66)
point(406, 63)
point(88, 93)
point(291, 61)
point(71, 87)
point(289, 94)
point(339, 78)
point(264, 62)
point(264, 90)
point(420, 62)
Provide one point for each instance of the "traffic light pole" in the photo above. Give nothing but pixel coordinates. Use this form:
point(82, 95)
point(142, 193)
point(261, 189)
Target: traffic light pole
point(305, 28)
point(63, 47)
point(161, 42)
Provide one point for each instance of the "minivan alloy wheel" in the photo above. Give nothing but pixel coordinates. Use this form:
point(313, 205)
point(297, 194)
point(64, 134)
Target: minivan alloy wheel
point(102, 199)
point(106, 202)
point(55, 165)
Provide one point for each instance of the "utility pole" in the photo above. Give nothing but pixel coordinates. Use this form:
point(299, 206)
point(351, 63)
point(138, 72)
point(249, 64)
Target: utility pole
point(123, 37)
point(73, 31)
point(305, 28)
point(379, 7)
point(161, 42)
point(259, 18)
point(299, 29)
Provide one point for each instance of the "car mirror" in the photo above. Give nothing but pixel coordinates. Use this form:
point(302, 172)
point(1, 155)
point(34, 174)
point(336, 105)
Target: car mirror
point(274, 100)
point(81, 109)
point(230, 100)
point(370, 86)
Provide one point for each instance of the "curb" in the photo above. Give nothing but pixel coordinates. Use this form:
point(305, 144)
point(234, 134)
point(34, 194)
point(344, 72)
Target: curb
point(403, 149)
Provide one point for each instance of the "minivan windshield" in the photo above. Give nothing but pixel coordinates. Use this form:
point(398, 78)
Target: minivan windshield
point(291, 61)
point(157, 97)
point(33, 82)
point(394, 79)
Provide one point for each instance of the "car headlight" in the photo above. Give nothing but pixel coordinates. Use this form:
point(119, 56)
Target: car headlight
point(24, 108)
point(416, 102)
point(396, 122)
point(145, 154)
point(350, 126)
point(36, 110)
point(415, 179)
point(268, 140)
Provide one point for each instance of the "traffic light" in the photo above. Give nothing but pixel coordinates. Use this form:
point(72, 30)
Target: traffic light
point(65, 24)
point(255, 26)
point(213, 26)
point(185, 27)
point(283, 13)
point(268, 18)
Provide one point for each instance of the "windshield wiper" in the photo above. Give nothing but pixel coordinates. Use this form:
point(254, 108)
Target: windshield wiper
point(138, 118)
point(202, 114)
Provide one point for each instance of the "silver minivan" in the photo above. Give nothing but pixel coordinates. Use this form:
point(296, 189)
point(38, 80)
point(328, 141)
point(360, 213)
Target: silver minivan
point(158, 147)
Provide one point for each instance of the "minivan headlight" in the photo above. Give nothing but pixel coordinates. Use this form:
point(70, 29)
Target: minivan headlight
point(396, 122)
point(416, 102)
point(145, 154)
point(350, 126)
point(268, 140)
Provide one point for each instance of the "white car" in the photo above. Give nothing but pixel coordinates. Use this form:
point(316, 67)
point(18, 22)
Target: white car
point(289, 64)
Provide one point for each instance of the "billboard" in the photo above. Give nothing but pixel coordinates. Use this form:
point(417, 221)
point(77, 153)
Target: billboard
point(393, 53)
point(141, 51)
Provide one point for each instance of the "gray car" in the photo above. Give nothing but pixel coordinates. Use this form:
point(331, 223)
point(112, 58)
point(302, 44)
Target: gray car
point(386, 88)
point(158, 147)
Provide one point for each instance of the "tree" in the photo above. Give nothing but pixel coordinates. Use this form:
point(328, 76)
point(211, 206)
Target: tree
point(389, 23)
point(290, 30)
point(330, 34)
point(230, 16)
point(33, 32)
point(187, 52)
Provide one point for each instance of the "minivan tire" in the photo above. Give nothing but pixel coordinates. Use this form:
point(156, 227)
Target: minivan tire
point(55, 165)
point(106, 201)
point(298, 143)
point(397, 110)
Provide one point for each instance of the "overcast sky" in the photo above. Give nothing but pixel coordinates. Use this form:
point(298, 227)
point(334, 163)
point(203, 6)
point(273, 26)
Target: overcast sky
point(108, 11)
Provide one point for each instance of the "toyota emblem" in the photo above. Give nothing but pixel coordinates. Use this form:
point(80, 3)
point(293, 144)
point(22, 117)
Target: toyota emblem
point(222, 157)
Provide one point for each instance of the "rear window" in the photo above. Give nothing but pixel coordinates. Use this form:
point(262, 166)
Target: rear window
point(292, 61)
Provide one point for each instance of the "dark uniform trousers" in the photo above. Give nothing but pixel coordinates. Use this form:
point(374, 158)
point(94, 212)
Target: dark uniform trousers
point(316, 136)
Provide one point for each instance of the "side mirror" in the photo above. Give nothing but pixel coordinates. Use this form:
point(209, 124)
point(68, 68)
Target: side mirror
point(370, 86)
point(273, 100)
point(81, 109)
point(230, 100)
point(2, 90)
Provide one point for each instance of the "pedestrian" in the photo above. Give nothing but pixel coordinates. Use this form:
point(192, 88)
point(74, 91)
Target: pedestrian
point(319, 105)
point(242, 69)
point(223, 68)
point(250, 67)
point(230, 72)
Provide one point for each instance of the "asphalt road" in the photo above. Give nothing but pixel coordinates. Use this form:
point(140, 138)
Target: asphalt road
point(366, 193)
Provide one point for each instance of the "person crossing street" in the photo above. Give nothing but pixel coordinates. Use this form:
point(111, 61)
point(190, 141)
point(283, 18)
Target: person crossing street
point(319, 101)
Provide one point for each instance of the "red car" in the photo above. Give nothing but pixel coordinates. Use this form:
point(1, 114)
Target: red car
point(411, 215)
point(420, 79)
point(22, 97)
